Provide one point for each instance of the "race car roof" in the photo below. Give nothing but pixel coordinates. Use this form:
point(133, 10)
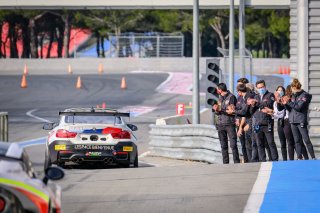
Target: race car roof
point(11, 150)
point(93, 112)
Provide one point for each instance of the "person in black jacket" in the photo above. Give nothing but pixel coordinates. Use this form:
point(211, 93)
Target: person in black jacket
point(226, 123)
point(298, 107)
point(260, 107)
point(241, 120)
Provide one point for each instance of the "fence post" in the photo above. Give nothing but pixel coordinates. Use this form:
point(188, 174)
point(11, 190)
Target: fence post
point(158, 46)
point(4, 133)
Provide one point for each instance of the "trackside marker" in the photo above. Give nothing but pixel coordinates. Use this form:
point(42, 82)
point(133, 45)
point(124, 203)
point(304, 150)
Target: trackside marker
point(259, 189)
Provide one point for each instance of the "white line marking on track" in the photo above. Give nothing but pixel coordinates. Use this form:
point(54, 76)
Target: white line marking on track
point(33, 142)
point(163, 84)
point(256, 197)
point(144, 154)
point(29, 113)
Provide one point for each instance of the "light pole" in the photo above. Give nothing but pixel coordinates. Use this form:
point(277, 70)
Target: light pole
point(195, 91)
point(242, 38)
point(231, 46)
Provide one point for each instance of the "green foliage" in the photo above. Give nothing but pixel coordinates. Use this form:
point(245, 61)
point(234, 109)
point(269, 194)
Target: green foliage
point(265, 29)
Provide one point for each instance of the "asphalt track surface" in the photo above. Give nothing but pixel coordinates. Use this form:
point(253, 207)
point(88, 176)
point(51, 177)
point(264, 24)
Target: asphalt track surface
point(159, 185)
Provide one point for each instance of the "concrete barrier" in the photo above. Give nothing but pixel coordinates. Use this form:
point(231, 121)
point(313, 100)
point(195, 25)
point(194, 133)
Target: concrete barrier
point(4, 133)
point(187, 142)
point(91, 65)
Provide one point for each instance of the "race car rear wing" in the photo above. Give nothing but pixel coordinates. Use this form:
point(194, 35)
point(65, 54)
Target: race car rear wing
point(119, 114)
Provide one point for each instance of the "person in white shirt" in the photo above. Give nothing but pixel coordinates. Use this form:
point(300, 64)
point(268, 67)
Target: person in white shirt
point(284, 127)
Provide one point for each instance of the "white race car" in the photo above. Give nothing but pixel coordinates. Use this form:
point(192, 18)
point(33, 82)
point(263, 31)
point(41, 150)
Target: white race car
point(91, 135)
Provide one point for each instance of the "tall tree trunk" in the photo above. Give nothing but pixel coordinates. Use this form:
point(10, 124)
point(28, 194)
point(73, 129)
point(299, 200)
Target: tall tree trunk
point(25, 41)
point(51, 35)
point(41, 46)
point(218, 29)
point(66, 39)
point(102, 46)
point(258, 52)
point(33, 38)
point(263, 49)
point(60, 41)
point(13, 41)
point(1, 55)
point(270, 55)
point(98, 43)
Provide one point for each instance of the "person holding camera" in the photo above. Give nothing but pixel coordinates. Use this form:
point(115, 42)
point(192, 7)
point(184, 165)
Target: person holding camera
point(226, 123)
point(261, 107)
point(298, 106)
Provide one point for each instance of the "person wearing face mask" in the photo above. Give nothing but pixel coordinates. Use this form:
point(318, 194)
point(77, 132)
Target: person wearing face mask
point(283, 125)
point(260, 107)
point(298, 106)
point(226, 123)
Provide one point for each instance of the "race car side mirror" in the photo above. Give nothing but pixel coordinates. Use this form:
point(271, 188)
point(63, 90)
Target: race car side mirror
point(53, 173)
point(132, 127)
point(48, 126)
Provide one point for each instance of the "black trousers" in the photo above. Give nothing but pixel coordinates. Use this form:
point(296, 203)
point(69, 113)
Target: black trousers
point(263, 136)
point(254, 147)
point(286, 138)
point(225, 132)
point(297, 130)
point(243, 141)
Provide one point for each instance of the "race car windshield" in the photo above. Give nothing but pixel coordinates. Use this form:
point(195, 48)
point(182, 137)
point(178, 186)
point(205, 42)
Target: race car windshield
point(93, 119)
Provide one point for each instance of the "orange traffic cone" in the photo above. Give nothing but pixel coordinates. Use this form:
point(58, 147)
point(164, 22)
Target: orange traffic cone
point(100, 69)
point(69, 69)
point(284, 71)
point(24, 82)
point(79, 83)
point(123, 83)
point(280, 70)
point(25, 70)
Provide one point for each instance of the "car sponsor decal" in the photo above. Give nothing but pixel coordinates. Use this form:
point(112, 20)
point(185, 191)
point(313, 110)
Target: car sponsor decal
point(92, 147)
point(59, 147)
point(24, 186)
point(127, 148)
point(94, 154)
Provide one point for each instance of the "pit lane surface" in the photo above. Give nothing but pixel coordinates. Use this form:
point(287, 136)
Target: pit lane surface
point(161, 185)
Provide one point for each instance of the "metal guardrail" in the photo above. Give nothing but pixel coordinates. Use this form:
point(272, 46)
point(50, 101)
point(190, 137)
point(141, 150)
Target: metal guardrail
point(4, 132)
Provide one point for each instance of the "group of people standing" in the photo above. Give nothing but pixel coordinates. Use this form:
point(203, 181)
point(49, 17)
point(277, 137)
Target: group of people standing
point(250, 117)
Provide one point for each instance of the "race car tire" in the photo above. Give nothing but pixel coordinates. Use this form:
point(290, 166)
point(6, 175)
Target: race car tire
point(136, 161)
point(47, 161)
